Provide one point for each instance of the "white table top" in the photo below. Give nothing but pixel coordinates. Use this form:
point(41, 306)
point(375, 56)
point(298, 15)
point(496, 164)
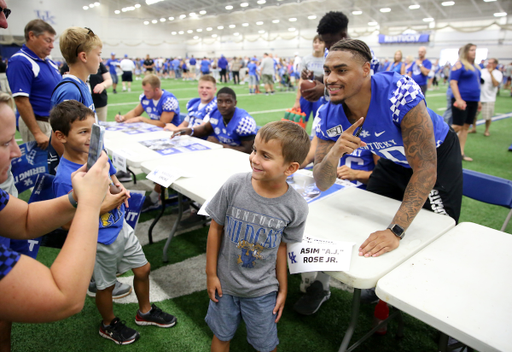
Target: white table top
point(352, 214)
point(459, 284)
point(211, 168)
point(136, 153)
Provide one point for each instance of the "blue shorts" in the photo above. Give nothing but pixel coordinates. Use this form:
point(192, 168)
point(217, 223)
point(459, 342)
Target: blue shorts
point(224, 317)
point(114, 77)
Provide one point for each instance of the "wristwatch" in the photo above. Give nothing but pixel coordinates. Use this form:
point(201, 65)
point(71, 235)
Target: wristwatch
point(397, 230)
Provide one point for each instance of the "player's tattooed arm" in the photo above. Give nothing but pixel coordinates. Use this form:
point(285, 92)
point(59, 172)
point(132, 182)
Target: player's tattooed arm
point(325, 167)
point(420, 150)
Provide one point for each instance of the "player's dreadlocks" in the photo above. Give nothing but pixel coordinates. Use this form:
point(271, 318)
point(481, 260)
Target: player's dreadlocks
point(357, 47)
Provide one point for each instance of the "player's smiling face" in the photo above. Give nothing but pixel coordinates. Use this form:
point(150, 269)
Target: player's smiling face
point(344, 75)
point(206, 91)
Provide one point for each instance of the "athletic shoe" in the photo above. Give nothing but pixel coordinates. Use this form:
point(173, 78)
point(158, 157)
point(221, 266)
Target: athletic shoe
point(368, 296)
point(129, 89)
point(123, 176)
point(311, 302)
point(148, 205)
point(156, 317)
point(114, 91)
point(124, 89)
point(120, 290)
point(118, 332)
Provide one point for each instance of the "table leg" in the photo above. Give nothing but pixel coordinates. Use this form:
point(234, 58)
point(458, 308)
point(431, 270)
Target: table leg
point(174, 227)
point(356, 302)
point(155, 220)
point(133, 175)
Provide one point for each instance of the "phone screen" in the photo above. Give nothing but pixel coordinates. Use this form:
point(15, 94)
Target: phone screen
point(95, 145)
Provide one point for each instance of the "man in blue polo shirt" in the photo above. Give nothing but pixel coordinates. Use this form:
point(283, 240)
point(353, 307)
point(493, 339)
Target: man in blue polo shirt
point(205, 66)
point(420, 69)
point(112, 64)
point(32, 77)
point(161, 106)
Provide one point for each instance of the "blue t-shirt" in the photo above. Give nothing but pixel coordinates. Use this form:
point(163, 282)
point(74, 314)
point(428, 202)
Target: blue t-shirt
point(192, 61)
point(32, 77)
point(252, 68)
point(205, 66)
point(417, 76)
point(111, 223)
point(241, 125)
point(196, 116)
point(396, 67)
point(112, 64)
point(166, 103)
point(69, 91)
point(175, 64)
point(393, 96)
point(468, 82)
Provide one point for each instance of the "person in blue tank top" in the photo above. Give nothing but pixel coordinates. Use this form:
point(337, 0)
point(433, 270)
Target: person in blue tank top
point(465, 84)
point(420, 156)
point(230, 126)
point(161, 106)
point(397, 65)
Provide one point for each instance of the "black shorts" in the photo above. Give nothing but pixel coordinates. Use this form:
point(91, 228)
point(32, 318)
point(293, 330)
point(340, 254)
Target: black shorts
point(127, 76)
point(390, 180)
point(461, 117)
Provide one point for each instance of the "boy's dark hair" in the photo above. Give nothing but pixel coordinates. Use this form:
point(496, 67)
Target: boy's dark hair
point(64, 114)
point(332, 22)
point(294, 140)
point(357, 47)
point(227, 90)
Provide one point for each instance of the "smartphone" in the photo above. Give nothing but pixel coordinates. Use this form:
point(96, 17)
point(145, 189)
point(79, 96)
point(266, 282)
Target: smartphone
point(96, 144)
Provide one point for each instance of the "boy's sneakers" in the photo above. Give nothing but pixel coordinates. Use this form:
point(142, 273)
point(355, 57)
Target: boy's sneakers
point(123, 176)
point(310, 303)
point(149, 205)
point(118, 332)
point(120, 290)
point(156, 317)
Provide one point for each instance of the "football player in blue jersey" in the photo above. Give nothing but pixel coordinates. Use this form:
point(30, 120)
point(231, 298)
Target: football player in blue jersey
point(229, 125)
point(161, 106)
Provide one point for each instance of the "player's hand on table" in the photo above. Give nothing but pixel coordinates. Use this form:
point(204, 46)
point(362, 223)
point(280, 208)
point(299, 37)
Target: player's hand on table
point(378, 243)
point(90, 187)
point(170, 127)
point(278, 309)
point(134, 119)
point(212, 286)
point(181, 132)
point(313, 94)
point(346, 173)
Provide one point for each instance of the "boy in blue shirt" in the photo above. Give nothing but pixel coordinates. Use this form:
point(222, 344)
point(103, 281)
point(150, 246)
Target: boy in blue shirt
point(118, 249)
point(254, 215)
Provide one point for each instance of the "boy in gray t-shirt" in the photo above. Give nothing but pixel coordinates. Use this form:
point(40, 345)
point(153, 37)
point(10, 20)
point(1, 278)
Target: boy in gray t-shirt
point(253, 216)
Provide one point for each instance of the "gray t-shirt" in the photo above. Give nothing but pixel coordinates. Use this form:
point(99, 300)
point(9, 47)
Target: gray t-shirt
point(254, 227)
point(315, 64)
point(267, 66)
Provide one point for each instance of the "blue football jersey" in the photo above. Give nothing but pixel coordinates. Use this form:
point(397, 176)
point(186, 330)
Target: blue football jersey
point(240, 125)
point(166, 103)
point(359, 159)
point(196, 116)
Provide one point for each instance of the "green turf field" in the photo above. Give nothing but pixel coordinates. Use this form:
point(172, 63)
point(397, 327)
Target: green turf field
point(321, 332)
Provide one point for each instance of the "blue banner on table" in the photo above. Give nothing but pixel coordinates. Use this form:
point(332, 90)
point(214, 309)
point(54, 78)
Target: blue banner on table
point(33, 162)
point(404, 38)
point(134, 207)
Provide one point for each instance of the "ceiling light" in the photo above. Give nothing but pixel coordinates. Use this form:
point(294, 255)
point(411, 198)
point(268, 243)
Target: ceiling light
point(414, 7)
point(209, 29)
point(500, 14)
point(236, 34)
point(117, 12)
point(229, 7)
point(244, 4)
point(372, 23)
point(190, 31)
point(146, 22)
point(448, 3)
point(311, 17)
point(385, 9)
point(428, 19)
point(182, 16)
point(151, 2)
point(232, 26)
point(261, 2)
point(357, 12)
point(214, 35)
point(96, 4)
point(259, 23)
point(275, 21)
point(293, 19)
point(220, 27)
point(196, 37)
point(181, 32)
point(245, 24)
point(202, 12)
point(173, 33)
point(291, 29)
point(199, 30)
point(154, 21)
point(489, 0)
point(86, 7)
point(163, 19)
point(137, 6)
point(192, 14)
point(261, 31)
point(171, 18)
point(91, 5)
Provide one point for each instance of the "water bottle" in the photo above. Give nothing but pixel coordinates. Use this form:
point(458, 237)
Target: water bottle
point(381, 313)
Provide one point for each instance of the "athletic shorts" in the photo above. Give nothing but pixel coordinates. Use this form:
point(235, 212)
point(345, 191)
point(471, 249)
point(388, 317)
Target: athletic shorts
point(461, 117)
point(390, 180)
point(224, 317)
point(127, 76)
point(114, 78)
point(123, 254)
point(252, 80)
point(488, 110)
point(267, 79)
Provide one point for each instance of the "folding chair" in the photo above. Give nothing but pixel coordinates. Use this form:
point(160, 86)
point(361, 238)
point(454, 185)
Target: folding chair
point(488, 189)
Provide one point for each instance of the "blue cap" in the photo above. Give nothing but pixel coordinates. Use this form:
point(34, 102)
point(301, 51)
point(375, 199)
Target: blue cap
point(125, 55)
point(114, 54)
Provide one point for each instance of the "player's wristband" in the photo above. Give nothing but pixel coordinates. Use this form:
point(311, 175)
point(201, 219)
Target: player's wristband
point(192, 133)
point(72, 200)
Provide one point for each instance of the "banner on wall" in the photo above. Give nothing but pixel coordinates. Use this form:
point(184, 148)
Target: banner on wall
point(404, 38)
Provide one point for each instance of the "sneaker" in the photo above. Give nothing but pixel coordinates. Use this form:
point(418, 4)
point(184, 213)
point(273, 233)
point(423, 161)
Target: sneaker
point(123, 176)
point(156, 317)
point(114, 91)
point(124, 89)
point(129, 89)
point(118, 332)
point(368, 296)
point(120, 290)
point(310, 303)
point(148, 205)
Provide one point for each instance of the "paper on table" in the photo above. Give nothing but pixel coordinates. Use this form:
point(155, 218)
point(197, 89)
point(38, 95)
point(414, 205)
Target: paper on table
point(313, 254)
point(202, 210)
point(167, 176)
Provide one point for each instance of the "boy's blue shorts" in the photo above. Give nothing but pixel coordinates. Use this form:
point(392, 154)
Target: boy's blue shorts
point(224, 317)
